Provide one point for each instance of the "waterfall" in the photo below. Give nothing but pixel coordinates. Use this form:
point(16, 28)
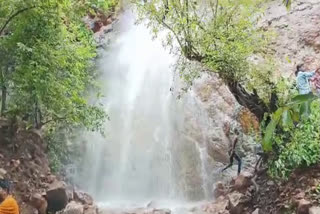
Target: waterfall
point(148, 152)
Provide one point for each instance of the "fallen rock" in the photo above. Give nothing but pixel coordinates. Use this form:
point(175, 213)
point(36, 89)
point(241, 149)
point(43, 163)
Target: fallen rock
point(242, 182)
point(39, 203)
point(82, 197)
point(314, 210)
point(57, 196)
point(303, 207)
point(219, 189)
point(236, 202)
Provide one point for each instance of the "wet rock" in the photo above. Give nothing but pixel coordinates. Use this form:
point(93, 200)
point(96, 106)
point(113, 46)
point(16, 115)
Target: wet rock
point(97, 26)
point(219, 206)
point(57, 196)
point(39, 203)
point(90, 209)
point(83, 197)
point(161, 211)
point(73, 208)
point(242, 182)
point(219, 189)
point(303, 207)
point(314, 210)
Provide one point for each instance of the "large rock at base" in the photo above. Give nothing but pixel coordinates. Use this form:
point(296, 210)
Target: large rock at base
point(39, 203)
point(73, 208)
point(57, 196)
point(236, 202)
point(242, 182)
point(82, 197)
point(303, 207)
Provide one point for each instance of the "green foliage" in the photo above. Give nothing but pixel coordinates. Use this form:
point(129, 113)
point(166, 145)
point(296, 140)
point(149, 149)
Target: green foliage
point(46, 61)
point(219, 34)
point(298, 109)
point(297, 146)
point(60, 150)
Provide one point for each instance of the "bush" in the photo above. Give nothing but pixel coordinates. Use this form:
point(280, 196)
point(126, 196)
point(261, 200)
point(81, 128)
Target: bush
point(298, 146)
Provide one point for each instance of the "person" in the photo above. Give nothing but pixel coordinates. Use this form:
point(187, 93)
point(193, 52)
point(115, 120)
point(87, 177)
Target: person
point(233, 147)
point(315, 80)
point(8, 205)
point(302, 78)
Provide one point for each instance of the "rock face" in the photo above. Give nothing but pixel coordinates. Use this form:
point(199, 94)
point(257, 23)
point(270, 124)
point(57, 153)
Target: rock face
point(298, 34)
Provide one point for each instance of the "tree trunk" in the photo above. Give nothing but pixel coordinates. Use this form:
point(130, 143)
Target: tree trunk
point(249, 100)
point(3, 99)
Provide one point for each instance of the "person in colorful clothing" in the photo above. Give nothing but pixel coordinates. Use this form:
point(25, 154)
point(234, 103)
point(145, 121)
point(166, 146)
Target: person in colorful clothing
point(302, 78)
point(315, 80)
point(8, 205)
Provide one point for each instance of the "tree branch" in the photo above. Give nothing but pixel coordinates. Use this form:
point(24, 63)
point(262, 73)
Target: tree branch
point(13, 16)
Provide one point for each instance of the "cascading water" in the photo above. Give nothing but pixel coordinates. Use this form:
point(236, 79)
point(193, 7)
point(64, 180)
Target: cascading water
point(146, 154)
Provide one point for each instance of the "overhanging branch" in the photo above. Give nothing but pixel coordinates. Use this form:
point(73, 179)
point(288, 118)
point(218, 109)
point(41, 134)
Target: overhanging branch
point(13, 16)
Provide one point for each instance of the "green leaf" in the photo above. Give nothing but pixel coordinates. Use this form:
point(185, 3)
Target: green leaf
point(286, 118)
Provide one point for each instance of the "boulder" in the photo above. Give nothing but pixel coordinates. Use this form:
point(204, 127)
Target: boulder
point(219, 189)
point(82, 197)
point(57, 196)
point(73, 208)
point(314, 210)
point(39, 203)
point(303, 207)
point(236, 202)
point(242, 182)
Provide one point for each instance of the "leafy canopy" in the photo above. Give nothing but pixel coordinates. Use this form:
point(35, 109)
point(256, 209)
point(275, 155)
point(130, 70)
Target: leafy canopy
point(46, 61)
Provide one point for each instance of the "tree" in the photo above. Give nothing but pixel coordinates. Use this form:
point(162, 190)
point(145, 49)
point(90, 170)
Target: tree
point(47, 61)
point(221, 35)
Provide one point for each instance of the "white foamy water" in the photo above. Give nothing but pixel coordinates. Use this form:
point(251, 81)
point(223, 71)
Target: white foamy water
point(146, 155)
